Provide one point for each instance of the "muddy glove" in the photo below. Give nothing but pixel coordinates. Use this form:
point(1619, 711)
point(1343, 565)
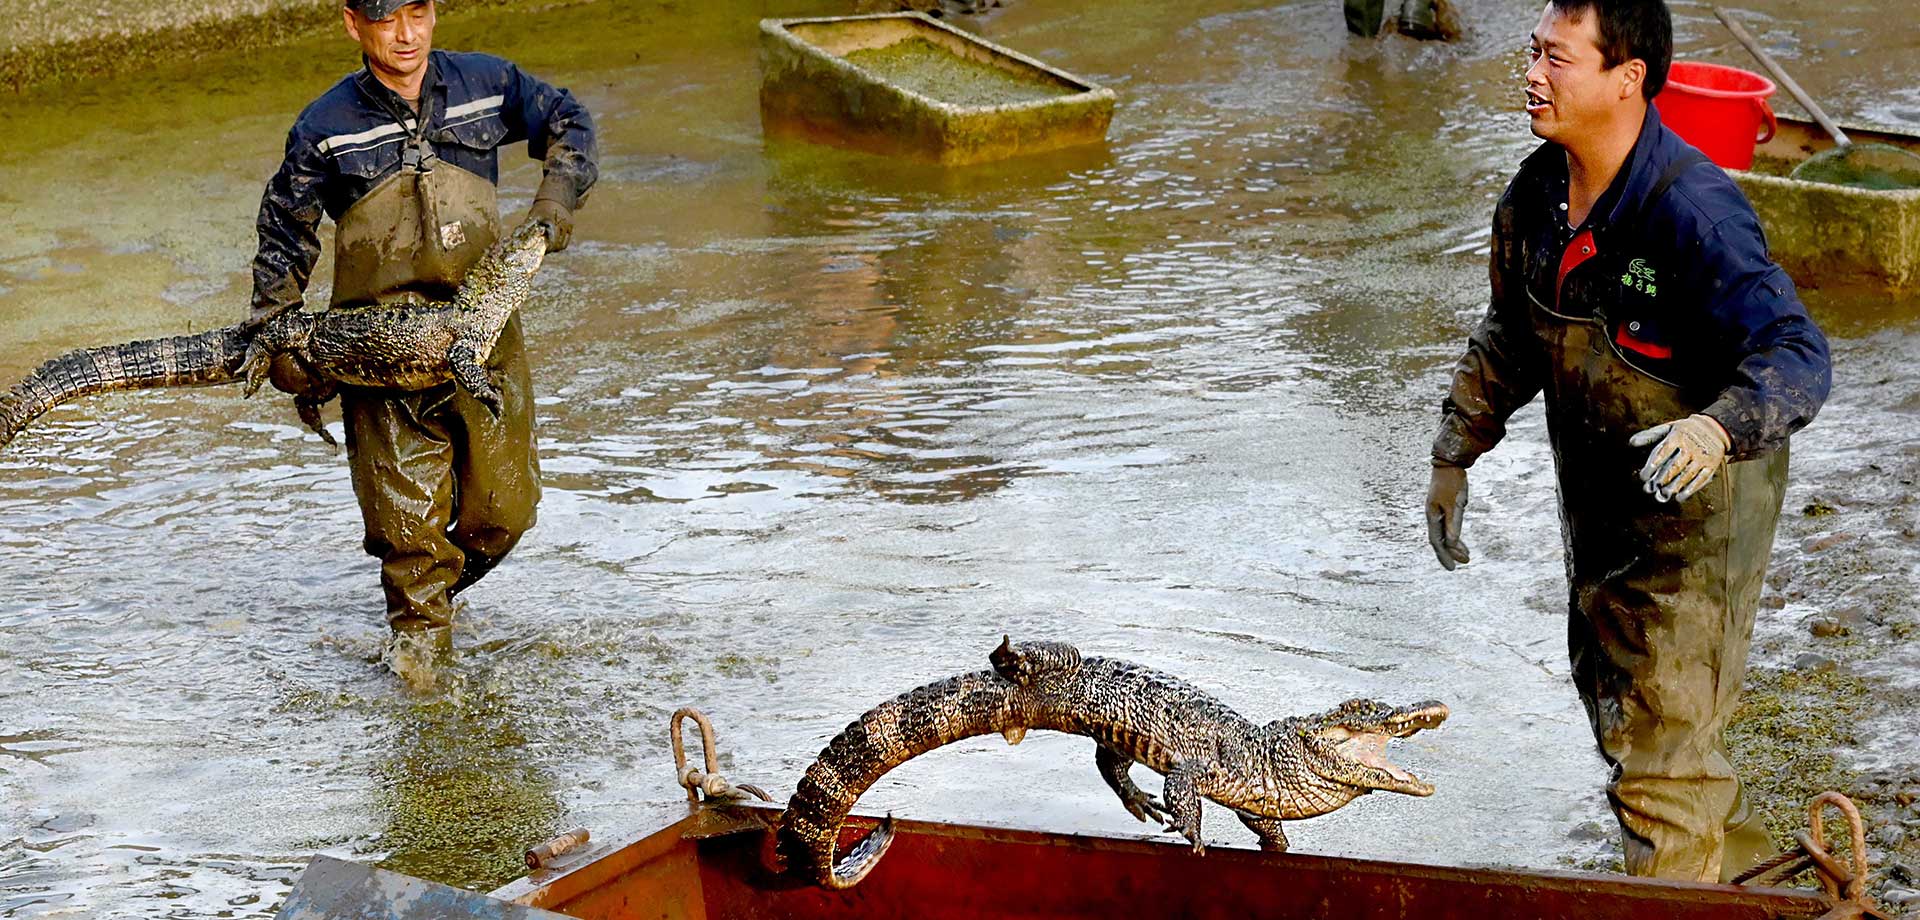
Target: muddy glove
point(1446, 506)
point(558, 219)
point(1688, 453)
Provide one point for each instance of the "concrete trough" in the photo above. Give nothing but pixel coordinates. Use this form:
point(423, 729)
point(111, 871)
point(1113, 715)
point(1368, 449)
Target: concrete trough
point(1832, 235)
point(905, 84)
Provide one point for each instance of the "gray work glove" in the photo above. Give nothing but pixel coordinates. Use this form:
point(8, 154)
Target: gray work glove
point(1688, 454)
point(558, 219)
point(1446, 506)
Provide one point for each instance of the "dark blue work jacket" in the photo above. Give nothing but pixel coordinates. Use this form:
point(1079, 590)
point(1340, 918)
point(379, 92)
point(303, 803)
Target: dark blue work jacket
point(1673, 262)
point(355, 135)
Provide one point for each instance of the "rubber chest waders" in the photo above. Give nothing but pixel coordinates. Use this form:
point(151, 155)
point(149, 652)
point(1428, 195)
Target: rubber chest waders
point(444, 488)
point(1663, 594)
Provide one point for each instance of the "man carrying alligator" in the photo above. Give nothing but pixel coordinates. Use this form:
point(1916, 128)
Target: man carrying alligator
point(403, 155)
point(1631, 284)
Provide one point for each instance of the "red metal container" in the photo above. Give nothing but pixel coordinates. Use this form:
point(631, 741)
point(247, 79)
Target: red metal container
point(711, 866)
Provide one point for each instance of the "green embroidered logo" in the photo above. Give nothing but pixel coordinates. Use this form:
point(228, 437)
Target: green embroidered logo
point(1639, 277)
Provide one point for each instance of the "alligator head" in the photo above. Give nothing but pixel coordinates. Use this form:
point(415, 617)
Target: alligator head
point(502, 277)
point(525, 248)
point(1347, 745)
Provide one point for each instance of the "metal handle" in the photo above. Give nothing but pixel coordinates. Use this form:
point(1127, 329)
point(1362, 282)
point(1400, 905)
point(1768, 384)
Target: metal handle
point(565, 843)
point(1768, 122)
point(1799, 95)
point(708, 781)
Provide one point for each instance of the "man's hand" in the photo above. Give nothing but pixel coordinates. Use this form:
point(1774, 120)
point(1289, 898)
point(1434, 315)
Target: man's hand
point(558, 219)
point(1446, 505)
point(1688, 454)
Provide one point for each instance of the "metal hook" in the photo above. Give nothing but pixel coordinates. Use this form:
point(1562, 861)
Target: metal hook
point(708, 753)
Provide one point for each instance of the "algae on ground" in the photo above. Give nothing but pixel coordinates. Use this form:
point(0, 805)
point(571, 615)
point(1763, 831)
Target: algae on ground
point(462, 799)
point(1783, 740)
point(920, 66)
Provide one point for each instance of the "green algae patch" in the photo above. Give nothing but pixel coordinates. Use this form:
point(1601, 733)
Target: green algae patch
point(1783, 739)
point(920, 66)
point(461, 799)
point(906, 85)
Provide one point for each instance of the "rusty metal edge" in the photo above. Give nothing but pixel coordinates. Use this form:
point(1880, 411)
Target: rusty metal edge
point(722, 818)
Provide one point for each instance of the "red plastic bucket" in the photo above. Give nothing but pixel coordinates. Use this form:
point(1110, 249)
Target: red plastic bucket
point(1721, 110)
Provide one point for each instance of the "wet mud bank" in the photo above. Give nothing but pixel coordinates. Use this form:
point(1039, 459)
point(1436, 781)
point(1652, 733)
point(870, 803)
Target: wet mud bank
point(51, 42)
point(62, 42)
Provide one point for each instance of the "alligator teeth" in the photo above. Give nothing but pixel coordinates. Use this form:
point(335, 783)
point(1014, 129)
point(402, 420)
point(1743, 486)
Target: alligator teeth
point(1014, 733)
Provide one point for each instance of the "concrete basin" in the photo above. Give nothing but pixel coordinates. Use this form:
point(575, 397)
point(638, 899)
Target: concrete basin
point(904, 84)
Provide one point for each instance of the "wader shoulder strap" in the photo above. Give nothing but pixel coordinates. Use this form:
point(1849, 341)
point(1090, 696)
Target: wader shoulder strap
point(1668, 177)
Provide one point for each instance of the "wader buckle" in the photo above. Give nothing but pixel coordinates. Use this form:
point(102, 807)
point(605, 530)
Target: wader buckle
point(417, 157)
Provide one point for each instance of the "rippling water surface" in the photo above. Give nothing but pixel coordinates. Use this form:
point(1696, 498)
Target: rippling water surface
point(817, 427)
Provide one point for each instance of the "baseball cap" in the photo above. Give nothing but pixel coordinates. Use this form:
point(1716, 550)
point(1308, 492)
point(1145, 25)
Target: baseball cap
point(378, 9)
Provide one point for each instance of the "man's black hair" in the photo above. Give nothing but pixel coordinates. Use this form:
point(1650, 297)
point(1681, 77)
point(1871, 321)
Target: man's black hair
point(1631, 29)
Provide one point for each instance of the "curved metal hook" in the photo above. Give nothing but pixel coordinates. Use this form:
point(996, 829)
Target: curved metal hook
point(709, 755)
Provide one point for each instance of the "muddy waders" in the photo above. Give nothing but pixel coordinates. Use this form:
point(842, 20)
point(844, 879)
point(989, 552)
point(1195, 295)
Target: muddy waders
point(1662, 605)
point(445, 489)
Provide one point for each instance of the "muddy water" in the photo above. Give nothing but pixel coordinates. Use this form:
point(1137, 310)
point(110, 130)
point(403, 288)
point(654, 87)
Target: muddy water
point(817, 428)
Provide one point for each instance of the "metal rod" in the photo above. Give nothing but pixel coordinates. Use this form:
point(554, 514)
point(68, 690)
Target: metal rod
point(1799, 95)
point(567, 842)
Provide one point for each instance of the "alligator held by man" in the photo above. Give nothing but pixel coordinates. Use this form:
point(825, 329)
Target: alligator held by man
point(397, 346)
point(1285, 770)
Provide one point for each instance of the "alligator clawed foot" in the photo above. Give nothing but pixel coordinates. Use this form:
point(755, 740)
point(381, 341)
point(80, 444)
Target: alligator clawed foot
point(254, 368)
point(473, 377)
point(309, 409)
point(1192, 835)
point(1144, 806)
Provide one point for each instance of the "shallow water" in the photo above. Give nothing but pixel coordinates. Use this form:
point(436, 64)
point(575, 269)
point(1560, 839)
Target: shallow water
point(818, 427)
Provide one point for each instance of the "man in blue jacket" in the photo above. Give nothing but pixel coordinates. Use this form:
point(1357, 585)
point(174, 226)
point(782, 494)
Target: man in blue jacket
point(1631, 284)
point(403, 156)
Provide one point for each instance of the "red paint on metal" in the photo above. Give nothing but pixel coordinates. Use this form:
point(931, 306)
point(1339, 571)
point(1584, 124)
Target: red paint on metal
point(713, 866)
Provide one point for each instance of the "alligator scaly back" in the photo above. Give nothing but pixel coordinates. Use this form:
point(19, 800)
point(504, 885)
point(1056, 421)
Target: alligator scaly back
point(178, 361)
point(1285, 770)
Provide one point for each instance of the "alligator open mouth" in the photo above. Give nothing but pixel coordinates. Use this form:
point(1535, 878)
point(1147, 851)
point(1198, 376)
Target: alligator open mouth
point(1367, 746)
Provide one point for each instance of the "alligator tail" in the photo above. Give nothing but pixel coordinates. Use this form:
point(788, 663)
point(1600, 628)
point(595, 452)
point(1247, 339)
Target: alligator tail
point(182, 360)
point(890, 734)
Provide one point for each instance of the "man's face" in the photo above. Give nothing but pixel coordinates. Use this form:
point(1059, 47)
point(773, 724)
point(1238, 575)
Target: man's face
point(1571, 94)
point(396, 46)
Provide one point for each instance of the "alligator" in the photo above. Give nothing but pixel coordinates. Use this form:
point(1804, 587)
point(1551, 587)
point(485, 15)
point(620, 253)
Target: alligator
point(1286, 770)
point(402, 346)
